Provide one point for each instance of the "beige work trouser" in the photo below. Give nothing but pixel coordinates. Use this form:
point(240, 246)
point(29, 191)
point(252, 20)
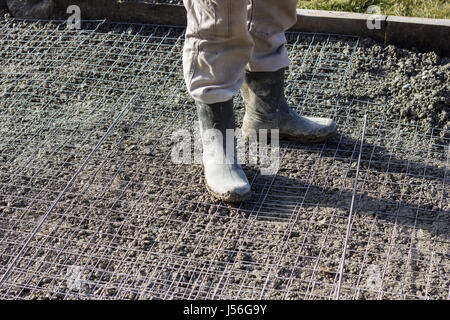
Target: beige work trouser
point(225, 37)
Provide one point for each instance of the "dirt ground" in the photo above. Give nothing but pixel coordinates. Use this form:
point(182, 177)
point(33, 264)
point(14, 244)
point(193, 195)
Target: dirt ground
point(134, 225)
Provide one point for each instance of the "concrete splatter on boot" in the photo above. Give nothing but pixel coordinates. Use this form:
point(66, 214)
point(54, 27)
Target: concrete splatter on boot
point(224, 176)
point(266, 108)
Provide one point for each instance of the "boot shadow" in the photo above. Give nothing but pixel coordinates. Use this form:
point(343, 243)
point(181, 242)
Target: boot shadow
point(393, 185)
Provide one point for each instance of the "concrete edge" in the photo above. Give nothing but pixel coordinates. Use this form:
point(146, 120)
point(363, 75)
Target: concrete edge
point(423, 34)
point(420, 33)
point(354, 24)
point(125, 11)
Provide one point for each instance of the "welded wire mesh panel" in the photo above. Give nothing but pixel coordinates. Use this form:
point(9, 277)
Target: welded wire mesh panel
point(47, 116)
point(58, 99)
point(135, 225)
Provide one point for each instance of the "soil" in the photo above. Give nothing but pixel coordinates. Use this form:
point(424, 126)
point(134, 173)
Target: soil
point(134, 225)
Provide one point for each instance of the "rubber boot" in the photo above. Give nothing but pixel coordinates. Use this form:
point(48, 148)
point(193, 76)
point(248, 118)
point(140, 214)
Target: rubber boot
point(224, 177)
point(266, 108)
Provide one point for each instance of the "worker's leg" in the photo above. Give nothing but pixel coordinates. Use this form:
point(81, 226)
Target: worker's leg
point(217, 49)
point(268, 20)
point(263, 89)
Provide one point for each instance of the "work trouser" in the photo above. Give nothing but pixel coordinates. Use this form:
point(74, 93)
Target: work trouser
point(225, 37)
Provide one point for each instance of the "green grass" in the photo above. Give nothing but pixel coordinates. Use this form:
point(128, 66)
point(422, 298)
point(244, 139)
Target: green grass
point(438, 9)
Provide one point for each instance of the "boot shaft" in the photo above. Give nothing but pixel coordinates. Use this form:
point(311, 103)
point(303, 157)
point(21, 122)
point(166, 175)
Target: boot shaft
point(217, 131)
point(263, 93)
point(218, 116)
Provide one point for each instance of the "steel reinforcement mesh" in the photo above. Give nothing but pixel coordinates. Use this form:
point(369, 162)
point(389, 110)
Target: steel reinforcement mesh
point(91, 205)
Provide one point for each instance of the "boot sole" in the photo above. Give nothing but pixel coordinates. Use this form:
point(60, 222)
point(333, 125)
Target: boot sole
point(300, 139)
point(229, 196)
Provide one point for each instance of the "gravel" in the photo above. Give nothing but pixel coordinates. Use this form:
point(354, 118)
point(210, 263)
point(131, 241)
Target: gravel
point(413, 86)
point(134, 225)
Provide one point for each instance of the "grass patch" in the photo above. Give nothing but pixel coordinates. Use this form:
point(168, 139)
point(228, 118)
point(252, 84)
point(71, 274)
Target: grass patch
point(438, 9)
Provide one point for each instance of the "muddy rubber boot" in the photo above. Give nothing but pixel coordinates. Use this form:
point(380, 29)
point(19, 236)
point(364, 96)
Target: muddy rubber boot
point(224, 177)
point(266, 108)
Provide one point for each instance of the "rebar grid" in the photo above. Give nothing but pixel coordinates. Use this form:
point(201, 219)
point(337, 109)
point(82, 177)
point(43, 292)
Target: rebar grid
point(133, 225)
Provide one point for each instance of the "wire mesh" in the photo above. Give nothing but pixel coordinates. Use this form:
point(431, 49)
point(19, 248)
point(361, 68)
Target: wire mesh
point(134, 225)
